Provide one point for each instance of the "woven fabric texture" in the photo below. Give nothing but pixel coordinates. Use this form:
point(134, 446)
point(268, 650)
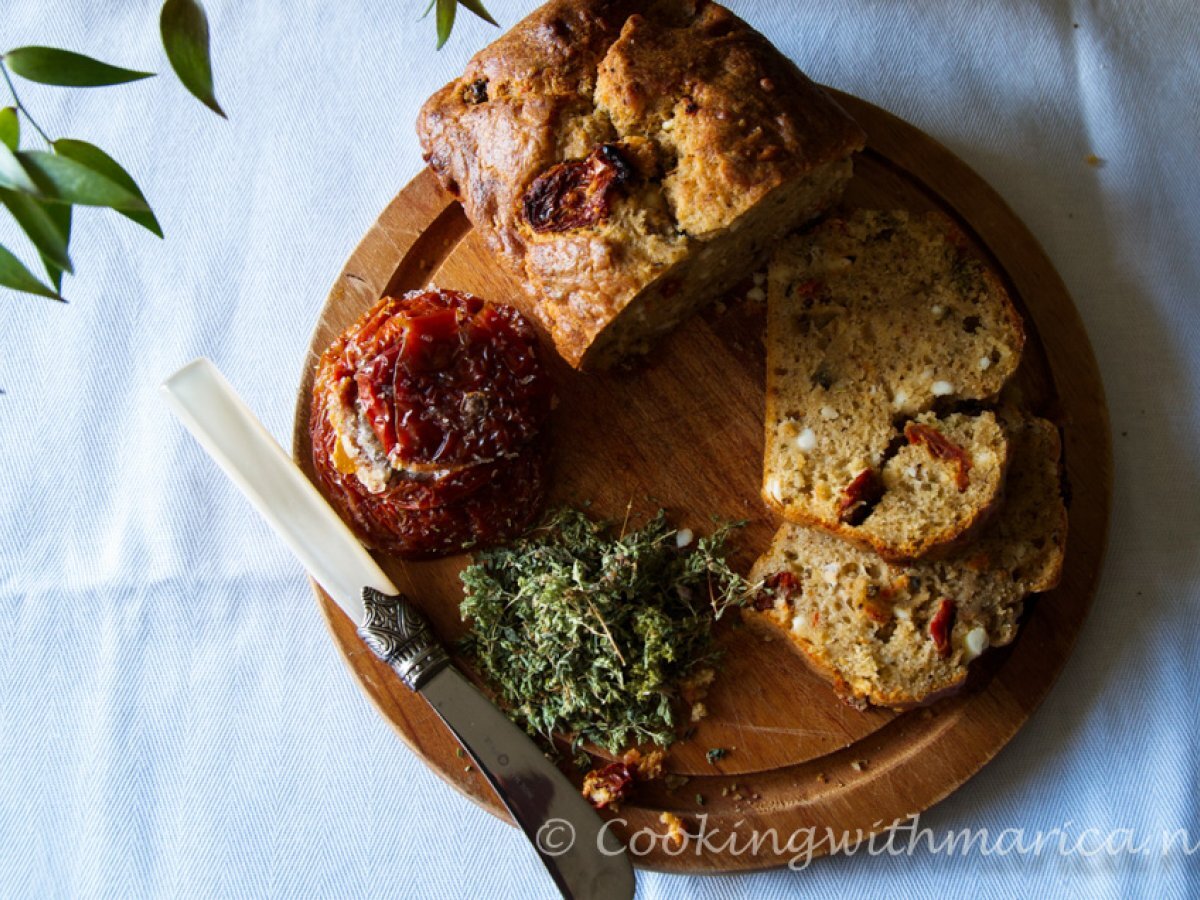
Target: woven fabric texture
point(174, 719)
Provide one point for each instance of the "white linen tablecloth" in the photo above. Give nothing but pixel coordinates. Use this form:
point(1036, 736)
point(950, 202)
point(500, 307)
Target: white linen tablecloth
point(174, 719)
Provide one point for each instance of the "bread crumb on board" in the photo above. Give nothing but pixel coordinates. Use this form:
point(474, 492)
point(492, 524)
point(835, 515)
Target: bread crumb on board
point(674, 781)
point(675, 832)
point(610, 785)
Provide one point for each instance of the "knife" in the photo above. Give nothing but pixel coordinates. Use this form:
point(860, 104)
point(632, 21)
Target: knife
point(584, 858)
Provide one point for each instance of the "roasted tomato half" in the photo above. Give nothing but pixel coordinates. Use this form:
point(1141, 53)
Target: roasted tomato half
point(426, 423)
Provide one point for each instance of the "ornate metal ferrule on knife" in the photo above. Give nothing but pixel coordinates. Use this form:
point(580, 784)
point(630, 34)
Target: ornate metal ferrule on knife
point(400, 635)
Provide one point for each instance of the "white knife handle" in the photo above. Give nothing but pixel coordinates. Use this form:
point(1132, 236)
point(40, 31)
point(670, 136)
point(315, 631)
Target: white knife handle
point(225, 427)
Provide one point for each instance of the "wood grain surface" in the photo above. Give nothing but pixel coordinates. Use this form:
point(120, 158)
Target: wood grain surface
point(684, 431)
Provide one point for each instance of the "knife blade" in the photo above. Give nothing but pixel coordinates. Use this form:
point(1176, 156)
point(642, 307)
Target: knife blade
point(584, 857)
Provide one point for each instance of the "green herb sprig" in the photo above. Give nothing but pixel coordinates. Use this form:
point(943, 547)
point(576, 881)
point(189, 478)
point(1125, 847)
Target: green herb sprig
point(40, 188)
point(447, 11)
point(583, 633)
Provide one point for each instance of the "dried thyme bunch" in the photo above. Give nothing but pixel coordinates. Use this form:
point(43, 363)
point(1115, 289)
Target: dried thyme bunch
point(584, 633)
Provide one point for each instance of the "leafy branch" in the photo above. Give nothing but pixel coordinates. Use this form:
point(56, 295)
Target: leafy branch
point(40, 188)
point(446, 12)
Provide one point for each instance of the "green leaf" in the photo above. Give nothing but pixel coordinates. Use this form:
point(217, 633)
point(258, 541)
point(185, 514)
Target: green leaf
point(428, 8)
point(65, 180)
point(48, 65)
point(477, 7)
point(40, 226)
point(12, 173)
point(60, 214)
point(10, 128)
point(445, 20)
point(98, 161)
point(14, 275)
point(185, 38)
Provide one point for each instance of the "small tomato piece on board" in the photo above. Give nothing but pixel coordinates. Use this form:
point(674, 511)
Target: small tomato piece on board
point(609, 785)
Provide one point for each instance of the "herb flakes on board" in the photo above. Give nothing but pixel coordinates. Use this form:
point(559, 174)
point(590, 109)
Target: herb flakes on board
point(586, 633)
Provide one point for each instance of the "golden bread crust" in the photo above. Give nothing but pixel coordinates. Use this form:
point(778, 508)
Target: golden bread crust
point(709, 115)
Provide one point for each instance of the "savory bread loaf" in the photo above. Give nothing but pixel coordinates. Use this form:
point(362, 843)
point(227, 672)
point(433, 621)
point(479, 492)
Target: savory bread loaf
point(629, 161)
point(884, 334)
point(901, 635)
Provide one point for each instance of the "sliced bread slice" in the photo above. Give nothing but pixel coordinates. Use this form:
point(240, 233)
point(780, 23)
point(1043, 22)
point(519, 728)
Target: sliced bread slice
point(902, 635)
point(875, 322)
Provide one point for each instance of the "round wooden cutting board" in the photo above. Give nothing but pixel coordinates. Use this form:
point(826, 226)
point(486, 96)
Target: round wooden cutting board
point(684, 431)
